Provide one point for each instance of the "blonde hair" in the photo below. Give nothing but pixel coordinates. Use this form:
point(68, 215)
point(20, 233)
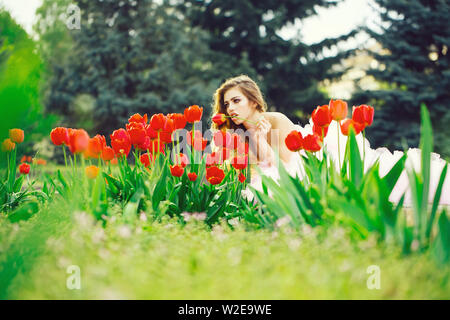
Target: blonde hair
point(248, 87)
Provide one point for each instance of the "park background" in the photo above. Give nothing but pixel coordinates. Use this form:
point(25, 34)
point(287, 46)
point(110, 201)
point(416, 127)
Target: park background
point(161, 56)
point(139, 232)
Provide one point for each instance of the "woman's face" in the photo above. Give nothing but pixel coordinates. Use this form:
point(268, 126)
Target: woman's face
point(237, 104)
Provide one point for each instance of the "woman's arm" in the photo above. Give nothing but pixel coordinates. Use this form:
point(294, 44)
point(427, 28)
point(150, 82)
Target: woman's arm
point(259, 144)
point(283, 126)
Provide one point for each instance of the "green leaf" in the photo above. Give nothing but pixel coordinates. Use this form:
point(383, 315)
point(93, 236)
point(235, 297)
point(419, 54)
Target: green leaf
point(130, 210)
point(441, 245)
point(18, 184)
point(426, 145)
point(355, 162)
point(390, 179)
point(437, 197)
point(24, 212)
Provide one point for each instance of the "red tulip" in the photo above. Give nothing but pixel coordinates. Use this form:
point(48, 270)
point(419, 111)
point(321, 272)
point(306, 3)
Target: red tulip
point(219, 118)
point(294, 141)
point(138, 118)
point(24, 168)
point(8, 145)
point(239, 163)
point(321, 116)
point(320, 131)
point(59, 136)
point(193, 113)
point(235, 140)
point(225, 153)
point(16, 135)
point(153, 148)
point(166, 134)
point(312, 143)
point(96, 145)
point(339, 109)
point(181, 159)
point(176, 170)
point(222, 138)
point(26, 159)
point(212, 159)
point(78, 140)
point(179, 120)
point(157, 121)
point(152, 134)
point(145, 145)
point(107, 154)
point(192, 176)
point(199, 142)
point(345, 126)
point(120, 142)
point(214, 175)
point(363, 114)
point(136, 132)
point(242, 148)
point(241, 178)
point(146, 158)
point(40, 162)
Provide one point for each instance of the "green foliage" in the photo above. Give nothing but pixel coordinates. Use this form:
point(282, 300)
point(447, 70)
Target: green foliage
point(147, 57)
point(171, 261)
point(135, 57)
point(360, 200)
point(287, 70)
point(18, 201)
point(138, 189)
point(420, 188)
point(20, 72)
point(415, 35)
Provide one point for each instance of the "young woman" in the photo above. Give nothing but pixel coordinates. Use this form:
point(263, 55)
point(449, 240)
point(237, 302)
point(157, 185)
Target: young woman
point(241, 99)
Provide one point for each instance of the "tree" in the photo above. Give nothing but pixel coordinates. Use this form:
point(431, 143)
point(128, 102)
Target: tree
point(415, 68)
point(287, 70)
point(20, 75)
point(132, 56)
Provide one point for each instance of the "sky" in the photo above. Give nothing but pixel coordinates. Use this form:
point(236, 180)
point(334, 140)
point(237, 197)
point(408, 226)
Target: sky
point(328, 23)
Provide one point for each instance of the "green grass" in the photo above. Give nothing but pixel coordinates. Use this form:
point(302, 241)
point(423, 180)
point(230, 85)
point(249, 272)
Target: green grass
point(150, 260)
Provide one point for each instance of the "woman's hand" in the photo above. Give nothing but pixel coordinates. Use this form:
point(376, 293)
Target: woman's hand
point(258, 142)
point(261, 129)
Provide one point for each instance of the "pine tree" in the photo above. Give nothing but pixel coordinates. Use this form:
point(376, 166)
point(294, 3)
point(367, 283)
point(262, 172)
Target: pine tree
point(128, 57)
point(415, 69)
point(287, 70)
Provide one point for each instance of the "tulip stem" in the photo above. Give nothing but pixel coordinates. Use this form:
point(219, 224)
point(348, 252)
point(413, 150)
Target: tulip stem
point(65, 157)
point(74, 165)
point(159, 146)
point(242, 119)
point(192, 148)
point(7, 160)
point(339, 147)
point(364, 148)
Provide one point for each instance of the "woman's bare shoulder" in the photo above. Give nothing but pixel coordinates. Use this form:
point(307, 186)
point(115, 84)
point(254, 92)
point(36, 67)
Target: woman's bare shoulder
point(278, 119)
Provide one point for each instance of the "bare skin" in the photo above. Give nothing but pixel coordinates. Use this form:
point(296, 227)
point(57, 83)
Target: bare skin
point(268, 130)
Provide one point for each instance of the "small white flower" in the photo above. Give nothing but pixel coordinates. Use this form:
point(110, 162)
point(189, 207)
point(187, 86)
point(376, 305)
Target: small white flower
point(198, 216)
point(143, 216)
point(283, 221)
point(124, 231)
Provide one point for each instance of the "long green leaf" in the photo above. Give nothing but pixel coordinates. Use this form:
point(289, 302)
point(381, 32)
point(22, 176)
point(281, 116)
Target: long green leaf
point(426, 145)
point(355, 162)
point(437, 197)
